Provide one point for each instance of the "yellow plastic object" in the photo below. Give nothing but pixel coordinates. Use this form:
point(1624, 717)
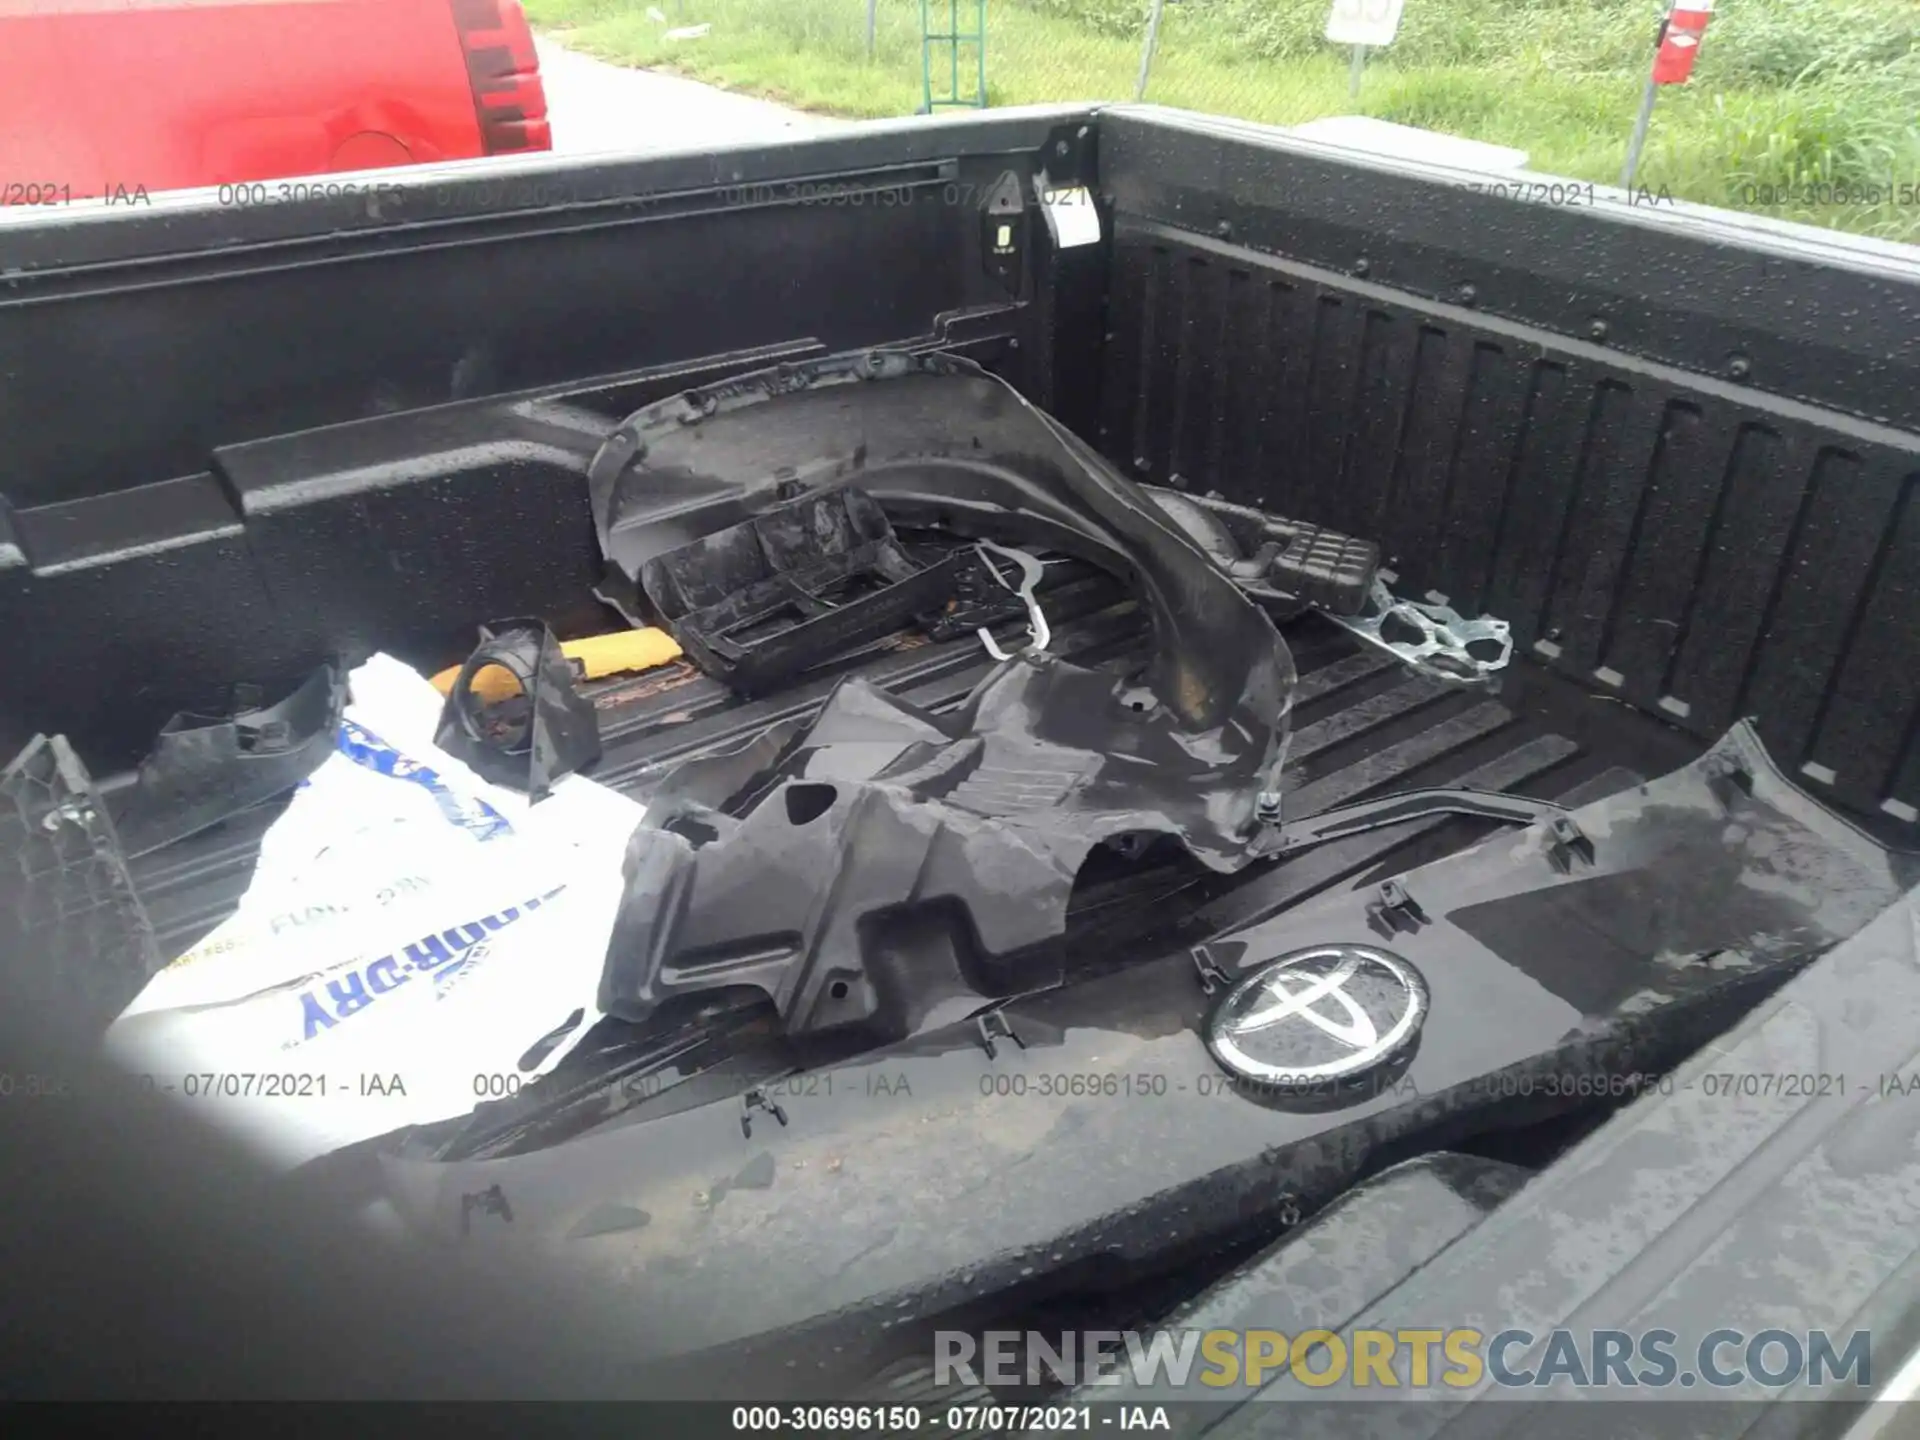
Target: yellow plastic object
point(597, 655)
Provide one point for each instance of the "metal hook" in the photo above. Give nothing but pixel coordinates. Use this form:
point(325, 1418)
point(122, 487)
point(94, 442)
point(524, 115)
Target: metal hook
point(1031, 573)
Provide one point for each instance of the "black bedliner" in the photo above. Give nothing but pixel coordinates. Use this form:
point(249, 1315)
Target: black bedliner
point(1676, 451)
point(1362, 725)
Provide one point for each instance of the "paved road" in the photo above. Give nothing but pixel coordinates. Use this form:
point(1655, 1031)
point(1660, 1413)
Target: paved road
point(595, 106)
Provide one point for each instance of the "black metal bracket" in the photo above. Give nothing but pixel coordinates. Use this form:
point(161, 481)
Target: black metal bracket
point(1394, 910)
point(1363, 815)
point(756, 1099)
point(1071, 155)
point(992, 1024)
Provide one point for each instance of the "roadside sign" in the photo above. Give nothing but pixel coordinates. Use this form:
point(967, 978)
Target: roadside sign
point(1364, 22)
point(1680, 41)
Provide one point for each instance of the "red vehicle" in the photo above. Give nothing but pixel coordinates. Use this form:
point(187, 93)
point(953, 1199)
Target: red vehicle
point(114, 97)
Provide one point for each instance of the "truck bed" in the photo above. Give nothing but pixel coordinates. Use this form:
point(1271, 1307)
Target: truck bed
point(1363, 725)
point(1676, 451)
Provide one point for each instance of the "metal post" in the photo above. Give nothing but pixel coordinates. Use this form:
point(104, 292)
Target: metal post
point(1353, 72)
point(870, 8)
point(926, 60)
point(1639, 138)
point(980, 51)
point(1146, 54)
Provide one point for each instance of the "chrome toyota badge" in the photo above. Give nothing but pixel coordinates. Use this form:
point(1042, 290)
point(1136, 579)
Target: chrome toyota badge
point(1320, 1021)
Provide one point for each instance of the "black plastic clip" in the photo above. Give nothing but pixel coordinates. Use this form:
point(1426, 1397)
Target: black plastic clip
point(1729, 780)
point(1213, 976)
point(994, 1023)
point(490, 1201)
point(1567, 842)
point(1394, 910)
point(266, 736)
point(756, 1099)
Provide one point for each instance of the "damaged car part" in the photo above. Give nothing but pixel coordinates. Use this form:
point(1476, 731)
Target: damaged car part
point(717, 1049)
point(982, 599)
point(942, 445)
point(1282, 563)
point(946, 848)
point(203, 769)
point(1359, 816)
point(1697, 905)
point(75, 939)
point(1429, 637)
point(543, 731)
point(799, 584)
point(902, 867)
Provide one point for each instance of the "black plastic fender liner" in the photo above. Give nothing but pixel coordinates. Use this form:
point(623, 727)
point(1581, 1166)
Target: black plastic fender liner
point(893, 869)
point(886, 867)
point(942, 443)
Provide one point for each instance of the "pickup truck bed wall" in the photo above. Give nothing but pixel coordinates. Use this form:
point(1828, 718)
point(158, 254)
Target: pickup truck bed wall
point(1675, 450)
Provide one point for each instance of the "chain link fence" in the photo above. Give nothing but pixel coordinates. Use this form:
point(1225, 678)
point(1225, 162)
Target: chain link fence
point(1806, 109)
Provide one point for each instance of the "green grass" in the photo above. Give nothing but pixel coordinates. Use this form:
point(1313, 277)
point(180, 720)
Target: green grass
point(1788, 96)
